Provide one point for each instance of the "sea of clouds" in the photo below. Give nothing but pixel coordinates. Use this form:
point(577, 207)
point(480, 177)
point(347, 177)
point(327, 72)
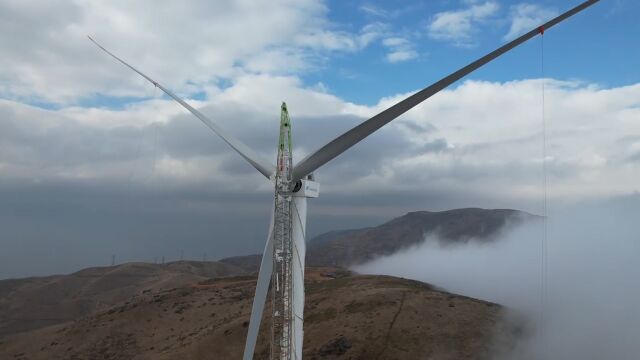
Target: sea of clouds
point(578, 289)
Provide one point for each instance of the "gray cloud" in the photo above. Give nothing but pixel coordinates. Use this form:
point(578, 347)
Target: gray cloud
point(153, 162)
point(63, 227)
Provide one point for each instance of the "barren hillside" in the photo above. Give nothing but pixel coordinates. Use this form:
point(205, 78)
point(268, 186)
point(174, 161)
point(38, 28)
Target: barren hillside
point(344, 248)
point(347, 317)
point(31, 303)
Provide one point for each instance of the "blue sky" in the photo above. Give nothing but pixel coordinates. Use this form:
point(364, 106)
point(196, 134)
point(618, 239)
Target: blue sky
point(592, 46)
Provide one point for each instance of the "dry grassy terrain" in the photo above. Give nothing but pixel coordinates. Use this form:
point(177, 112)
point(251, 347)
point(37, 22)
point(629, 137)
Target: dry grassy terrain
point(200, 310)
point(31, 303)
point(347, 317)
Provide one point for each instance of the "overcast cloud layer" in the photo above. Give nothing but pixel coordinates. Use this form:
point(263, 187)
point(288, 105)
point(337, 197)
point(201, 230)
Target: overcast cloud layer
point(94, 162)
point(153, 180)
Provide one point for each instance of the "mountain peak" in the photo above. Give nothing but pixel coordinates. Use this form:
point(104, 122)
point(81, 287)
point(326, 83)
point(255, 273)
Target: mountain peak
point(456, 226)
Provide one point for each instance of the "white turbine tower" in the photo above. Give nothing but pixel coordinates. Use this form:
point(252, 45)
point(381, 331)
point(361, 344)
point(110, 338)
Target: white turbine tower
point(282, 263)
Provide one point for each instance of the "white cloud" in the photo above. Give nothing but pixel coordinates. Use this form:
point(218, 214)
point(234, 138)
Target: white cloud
point(394, 11)
point(279, 61)
point(401, 55)
point(477, 144)
point(525, 17)
point(341, 40)
point(400, 49)
point(395, 41)
point(374, 10)
point(458, 26)
point(186, 46)
point(481, 139)
point(590, 267)
point(372, 32)
point(494, 133)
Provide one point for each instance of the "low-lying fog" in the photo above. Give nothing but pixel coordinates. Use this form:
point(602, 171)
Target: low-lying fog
point(592, 306)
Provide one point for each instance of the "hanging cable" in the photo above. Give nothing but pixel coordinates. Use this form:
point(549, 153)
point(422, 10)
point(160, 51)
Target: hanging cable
point(544, 245)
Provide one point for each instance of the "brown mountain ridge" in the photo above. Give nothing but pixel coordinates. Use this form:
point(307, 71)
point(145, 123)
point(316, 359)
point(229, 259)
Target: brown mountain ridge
point(345, 248)
point(35, 302)
point(348, 316)
point(131, 310)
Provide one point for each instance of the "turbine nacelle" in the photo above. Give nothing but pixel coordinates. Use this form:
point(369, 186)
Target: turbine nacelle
point(306, 188)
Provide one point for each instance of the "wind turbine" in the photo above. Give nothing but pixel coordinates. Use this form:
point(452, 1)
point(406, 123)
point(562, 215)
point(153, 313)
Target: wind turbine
point(283, 258)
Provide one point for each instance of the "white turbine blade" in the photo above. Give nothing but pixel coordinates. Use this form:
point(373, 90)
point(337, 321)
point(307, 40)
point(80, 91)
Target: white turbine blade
point(258, 162)
point(356, 134)
point(262, 287)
